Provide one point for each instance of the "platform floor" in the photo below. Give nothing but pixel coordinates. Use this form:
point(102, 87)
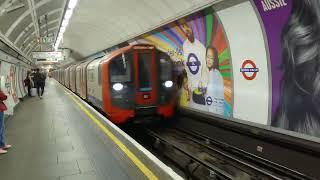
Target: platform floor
point(53, 139)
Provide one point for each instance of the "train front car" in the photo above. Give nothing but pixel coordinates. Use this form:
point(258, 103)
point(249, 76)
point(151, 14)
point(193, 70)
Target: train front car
point(139, 84)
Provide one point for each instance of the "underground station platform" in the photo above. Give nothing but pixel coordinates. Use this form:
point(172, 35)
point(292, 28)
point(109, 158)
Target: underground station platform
point(60, 137)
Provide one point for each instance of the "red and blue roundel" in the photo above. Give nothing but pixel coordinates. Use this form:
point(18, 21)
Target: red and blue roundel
point(193, 63)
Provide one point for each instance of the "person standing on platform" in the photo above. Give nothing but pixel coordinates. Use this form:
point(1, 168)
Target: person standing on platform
point(28, 82)
point(3, 107)
point(39, 80)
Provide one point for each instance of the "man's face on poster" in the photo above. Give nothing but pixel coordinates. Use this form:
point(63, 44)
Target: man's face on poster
point(188, 31)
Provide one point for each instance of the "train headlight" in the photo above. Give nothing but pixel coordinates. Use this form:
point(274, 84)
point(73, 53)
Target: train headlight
point(117, 86)
point(168, 84)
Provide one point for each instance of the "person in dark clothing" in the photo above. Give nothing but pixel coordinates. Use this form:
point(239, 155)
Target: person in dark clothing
point(39, 80)
point(28, 83)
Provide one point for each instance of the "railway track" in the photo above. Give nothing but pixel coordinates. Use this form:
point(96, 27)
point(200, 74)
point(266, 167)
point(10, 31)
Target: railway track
point(205, 162)
point(263, 166)
point(200, 157)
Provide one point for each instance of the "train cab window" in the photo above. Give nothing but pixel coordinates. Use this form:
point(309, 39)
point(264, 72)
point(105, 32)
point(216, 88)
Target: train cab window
point(145, 71)
point(120, 68)
point(165, 67)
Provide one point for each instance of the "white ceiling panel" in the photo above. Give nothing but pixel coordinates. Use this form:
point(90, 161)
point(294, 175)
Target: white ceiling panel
point(99, 24)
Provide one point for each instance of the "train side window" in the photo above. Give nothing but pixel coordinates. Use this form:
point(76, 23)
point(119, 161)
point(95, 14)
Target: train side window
point(78, 73)
point(91, 75)
point(120, 69)
point(165, 67)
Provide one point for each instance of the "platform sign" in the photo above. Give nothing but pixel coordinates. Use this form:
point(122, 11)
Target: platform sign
point(44, 40)
point(47, 55)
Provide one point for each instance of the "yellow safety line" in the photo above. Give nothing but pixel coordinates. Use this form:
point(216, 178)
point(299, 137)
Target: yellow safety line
point(146, 171)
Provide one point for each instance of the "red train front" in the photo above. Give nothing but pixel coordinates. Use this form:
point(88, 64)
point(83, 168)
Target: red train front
point(138, 83)
point(134, 81)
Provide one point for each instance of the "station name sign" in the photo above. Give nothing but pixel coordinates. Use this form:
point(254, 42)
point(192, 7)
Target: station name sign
point(47, 55)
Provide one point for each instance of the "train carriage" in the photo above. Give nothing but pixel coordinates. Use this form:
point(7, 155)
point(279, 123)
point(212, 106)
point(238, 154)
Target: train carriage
point(83, 81)
point(94, 83)
point(78, 78)
point(135, 81)
point(132, 81)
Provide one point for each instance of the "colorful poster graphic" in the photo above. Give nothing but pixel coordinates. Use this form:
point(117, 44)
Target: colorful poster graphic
point(8, 71)
point(199, 48)
point(13, 79)
point(292, 28)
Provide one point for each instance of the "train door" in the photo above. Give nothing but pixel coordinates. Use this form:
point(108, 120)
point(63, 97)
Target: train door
point(78, 79)
point(145, 78)
point(84, 81)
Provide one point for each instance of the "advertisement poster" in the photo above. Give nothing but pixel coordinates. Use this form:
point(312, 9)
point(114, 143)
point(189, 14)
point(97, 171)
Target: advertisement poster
point(8, 71)
point(199, 48)
point(13, 79)
point(21, 90)
point(292, 28)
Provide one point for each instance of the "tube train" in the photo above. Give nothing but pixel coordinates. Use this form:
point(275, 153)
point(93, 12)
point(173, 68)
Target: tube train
point(133, 81)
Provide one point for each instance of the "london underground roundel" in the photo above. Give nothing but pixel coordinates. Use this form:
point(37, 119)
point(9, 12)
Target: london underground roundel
point(209, 100)
point(249, 70)
point(193, 63)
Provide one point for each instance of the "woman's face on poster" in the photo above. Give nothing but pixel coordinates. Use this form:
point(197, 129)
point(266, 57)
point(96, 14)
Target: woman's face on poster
point(210, 58)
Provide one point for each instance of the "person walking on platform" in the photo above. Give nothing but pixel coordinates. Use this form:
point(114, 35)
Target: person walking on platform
point(39, 80)
point(3, 107)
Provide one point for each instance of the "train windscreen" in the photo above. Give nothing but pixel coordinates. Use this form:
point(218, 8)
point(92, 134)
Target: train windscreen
point(165, 67)
point(120, 69)
point(145, 71)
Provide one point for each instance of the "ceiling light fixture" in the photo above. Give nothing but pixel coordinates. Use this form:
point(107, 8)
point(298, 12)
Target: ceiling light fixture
point(62, 29)
point(65, 22)
point(68, 14)
point(71, 5)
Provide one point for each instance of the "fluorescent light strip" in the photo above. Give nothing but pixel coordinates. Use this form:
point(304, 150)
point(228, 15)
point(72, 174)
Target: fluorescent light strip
point(62, 29)
point(71, 5)
point(65, 23)
point(68, 14)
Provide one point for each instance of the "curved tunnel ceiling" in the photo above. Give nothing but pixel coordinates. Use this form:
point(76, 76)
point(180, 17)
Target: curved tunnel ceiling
point(95, 25)
point(22, 21)
point(100, 24)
